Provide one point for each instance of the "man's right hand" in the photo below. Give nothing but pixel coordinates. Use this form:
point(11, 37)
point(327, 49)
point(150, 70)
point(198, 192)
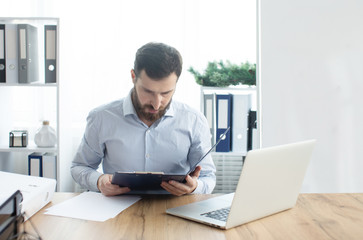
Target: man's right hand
point(107, 188)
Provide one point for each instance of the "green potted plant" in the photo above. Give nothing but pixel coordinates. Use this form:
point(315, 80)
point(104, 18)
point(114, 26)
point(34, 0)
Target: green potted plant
point(220, 74)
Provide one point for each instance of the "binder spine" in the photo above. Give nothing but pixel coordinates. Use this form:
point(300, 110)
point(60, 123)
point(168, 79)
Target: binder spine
point(209, 113)
point(22, 54)
point(224, 111)
point(2, 54)
point(252, 124)
point(11, 53)
point(49, 165)
point(35, 163)
point(28, 53)
point(241, 108)
point(50, 53)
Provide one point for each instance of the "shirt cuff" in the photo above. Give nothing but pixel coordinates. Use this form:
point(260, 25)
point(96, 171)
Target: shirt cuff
point(199, 188)
point(93, 179)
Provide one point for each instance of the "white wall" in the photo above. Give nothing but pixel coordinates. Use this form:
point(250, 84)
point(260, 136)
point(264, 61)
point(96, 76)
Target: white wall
point(311, 55)
point(98, 41)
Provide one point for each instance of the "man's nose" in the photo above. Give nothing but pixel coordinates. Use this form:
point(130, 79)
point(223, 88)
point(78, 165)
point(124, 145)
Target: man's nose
point(156, 102)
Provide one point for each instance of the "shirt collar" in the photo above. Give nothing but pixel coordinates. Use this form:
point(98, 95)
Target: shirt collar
point(129, 109)
point(170, 111)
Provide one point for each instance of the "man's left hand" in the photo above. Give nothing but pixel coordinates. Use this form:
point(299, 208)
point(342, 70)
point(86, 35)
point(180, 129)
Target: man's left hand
point(179, 189)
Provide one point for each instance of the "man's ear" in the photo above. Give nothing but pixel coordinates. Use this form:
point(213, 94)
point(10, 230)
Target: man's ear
point(133, 76)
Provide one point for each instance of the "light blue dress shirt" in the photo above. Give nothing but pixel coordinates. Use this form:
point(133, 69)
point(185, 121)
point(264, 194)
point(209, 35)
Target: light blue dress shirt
point(116, 137)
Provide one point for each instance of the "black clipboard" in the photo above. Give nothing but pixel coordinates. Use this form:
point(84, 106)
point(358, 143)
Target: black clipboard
point(150, 181)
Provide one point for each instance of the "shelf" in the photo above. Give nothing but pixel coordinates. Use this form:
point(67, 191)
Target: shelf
point(43, 20)
point(31, 148)
point(230, 88)
point(28, 84)
point(243, 154)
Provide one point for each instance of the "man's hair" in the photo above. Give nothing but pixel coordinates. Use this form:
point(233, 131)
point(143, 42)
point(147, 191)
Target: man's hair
point(158, 60)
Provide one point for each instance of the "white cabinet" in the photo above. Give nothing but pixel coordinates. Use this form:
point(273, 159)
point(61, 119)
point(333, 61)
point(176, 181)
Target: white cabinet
point(23, 106)
point(229, 164)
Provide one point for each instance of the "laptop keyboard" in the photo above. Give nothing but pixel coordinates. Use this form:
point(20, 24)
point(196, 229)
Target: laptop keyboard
point(220, 214)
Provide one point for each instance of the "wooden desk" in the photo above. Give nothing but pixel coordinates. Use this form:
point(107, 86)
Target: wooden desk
point(316, 216)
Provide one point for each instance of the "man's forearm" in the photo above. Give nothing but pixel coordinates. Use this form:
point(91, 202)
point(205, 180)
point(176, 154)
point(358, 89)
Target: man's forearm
point(86, 177)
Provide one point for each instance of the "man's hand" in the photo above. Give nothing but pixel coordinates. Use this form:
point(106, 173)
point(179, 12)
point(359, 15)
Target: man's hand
point(178, 188)
point(107, 188)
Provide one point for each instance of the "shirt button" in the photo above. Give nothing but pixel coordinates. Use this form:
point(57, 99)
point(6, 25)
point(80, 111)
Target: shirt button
point(148, 131)
point(147, 155)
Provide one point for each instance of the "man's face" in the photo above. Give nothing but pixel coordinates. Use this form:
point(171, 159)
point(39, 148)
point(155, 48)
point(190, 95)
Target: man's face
point(151, 98)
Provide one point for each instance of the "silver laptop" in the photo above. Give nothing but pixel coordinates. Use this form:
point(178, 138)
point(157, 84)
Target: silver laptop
point(270, 182)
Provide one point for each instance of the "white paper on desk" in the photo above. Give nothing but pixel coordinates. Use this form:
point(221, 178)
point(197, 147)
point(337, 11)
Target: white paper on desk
point(92, 206)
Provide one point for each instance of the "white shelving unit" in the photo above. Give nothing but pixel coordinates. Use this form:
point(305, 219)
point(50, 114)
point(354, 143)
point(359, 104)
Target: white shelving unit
point(228, 164)
point(24, 106)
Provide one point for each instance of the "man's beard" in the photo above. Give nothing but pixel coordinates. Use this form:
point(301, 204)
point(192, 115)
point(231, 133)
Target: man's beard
point(141, 110)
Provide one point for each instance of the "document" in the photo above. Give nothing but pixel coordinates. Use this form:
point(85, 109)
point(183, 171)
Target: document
point(92, 206)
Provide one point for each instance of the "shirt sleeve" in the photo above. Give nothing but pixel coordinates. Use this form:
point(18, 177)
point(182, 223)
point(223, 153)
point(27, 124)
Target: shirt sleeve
point(202, 144)
point(89, 155)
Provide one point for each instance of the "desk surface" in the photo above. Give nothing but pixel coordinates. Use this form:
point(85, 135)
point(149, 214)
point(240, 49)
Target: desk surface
point(316, 216)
